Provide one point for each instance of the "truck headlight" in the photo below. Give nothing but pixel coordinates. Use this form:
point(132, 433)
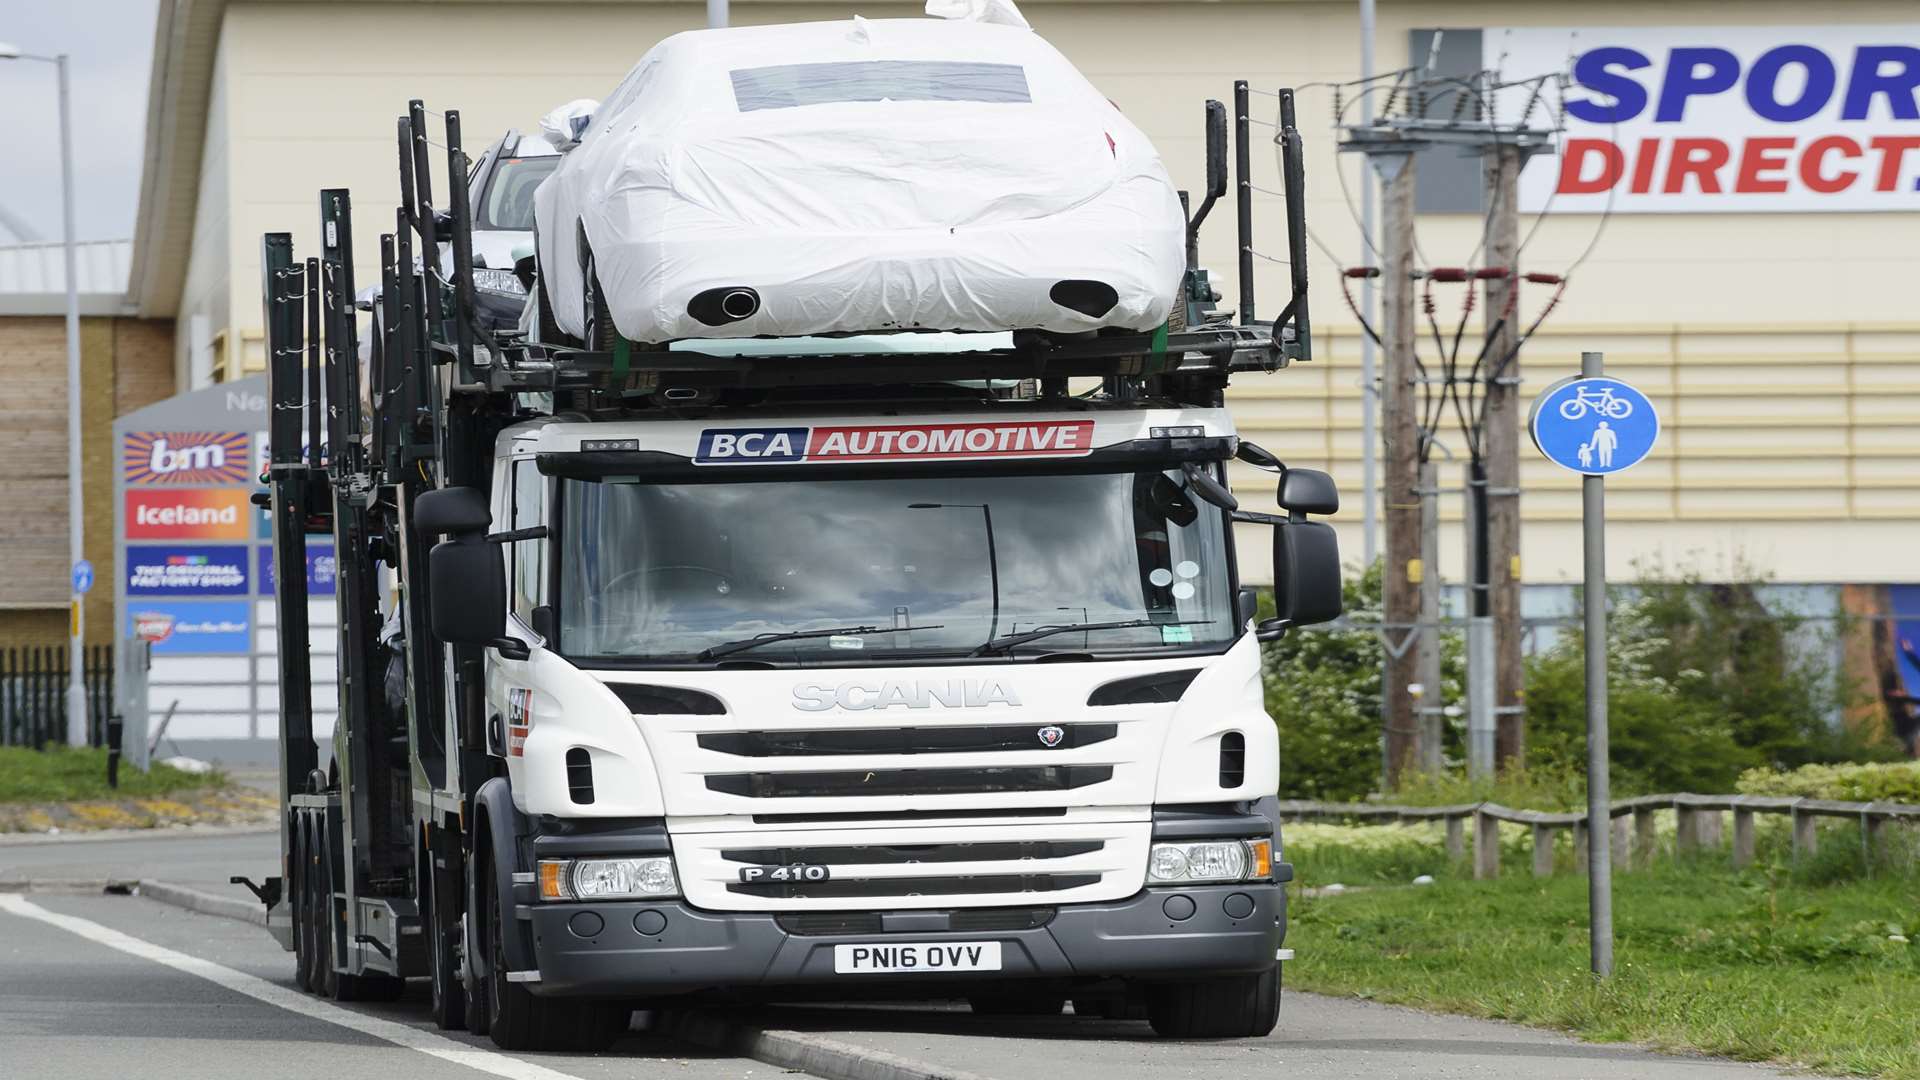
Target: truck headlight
point(1210, 861)
point(608, 879)
point(504, 282)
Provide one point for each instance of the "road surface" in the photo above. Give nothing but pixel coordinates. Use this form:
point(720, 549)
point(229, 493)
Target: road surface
point(115, 986)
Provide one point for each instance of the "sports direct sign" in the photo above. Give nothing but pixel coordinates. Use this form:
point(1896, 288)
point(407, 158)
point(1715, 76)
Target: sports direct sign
point(1724, 119)
point(898, 442)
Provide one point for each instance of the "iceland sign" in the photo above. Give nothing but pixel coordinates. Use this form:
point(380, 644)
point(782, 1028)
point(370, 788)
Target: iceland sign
point(1723, 119)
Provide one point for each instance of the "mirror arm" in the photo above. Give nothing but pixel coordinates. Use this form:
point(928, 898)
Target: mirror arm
point(1259, 457)
point(531, 532)
point(1272, 629)
point(1255, 517)
point(1208, 488)
point(510, 648)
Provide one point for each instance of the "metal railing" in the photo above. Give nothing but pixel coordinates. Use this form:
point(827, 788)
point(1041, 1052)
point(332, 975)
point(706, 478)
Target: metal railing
point(1700, 825)
point(33, 694)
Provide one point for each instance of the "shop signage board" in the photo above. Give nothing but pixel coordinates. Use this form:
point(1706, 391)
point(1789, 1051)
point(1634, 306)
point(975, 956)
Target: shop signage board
point(1720, 119)
point(193, 571)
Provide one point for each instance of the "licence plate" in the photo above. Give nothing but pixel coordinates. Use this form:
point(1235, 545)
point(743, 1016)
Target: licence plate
point(917, 956)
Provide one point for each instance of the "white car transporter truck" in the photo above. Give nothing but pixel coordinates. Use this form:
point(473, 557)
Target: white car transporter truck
point(721, 674)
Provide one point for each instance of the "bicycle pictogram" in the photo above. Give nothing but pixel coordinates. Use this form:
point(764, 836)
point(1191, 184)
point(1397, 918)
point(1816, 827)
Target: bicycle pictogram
point(1601, 401)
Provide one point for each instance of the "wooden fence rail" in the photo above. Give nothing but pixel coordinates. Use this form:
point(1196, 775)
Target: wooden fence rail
point(1700, 822)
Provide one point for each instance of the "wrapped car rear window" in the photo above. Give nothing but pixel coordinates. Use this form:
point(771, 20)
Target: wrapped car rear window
point(785, 86)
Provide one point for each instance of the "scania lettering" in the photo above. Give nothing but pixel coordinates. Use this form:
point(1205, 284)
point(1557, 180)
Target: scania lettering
point(856, 696)
point(896, 664)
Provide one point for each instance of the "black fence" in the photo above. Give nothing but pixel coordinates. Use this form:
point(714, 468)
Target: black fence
point(33, 694)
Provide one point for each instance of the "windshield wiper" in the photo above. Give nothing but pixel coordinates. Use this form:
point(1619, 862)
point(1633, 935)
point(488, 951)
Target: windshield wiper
point(744, 644)
point(1006, 642)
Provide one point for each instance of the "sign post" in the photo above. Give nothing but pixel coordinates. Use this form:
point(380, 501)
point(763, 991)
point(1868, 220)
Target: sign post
point(1595, 426)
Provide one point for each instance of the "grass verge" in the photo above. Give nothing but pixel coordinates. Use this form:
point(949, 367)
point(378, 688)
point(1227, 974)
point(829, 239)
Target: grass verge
point(1809, 967)
point(64, 774)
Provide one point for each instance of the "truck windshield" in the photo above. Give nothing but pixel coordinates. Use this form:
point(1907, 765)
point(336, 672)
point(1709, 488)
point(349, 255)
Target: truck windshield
point(939, 566)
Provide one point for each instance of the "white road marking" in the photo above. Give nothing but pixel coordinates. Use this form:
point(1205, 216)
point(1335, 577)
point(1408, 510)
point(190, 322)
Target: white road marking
point(427, 1042)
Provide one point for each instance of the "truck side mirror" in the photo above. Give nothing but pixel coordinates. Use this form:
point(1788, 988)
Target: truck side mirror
point(1306, 577)
point(1308, 491)
point(1216, 149)
point(467, 582)
point(452, 511)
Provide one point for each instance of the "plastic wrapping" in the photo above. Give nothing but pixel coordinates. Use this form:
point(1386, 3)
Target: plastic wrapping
point(862, 176)
point(563, 125)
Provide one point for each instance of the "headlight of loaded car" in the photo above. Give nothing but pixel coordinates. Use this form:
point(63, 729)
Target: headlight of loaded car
point(608, 879)
point(503, 282)
point(1203, 862)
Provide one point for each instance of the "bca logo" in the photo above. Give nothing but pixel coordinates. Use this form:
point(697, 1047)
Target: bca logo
point(740, 446)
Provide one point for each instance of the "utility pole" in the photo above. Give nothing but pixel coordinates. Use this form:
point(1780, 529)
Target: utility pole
point(1400, 498)
point(1430, 705)
point(1369, 375)
point(1500, 447)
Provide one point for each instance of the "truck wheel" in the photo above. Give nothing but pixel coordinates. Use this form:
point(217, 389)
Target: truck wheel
point(1228, 1007)
point(1017, 1005)
point(326, 979)
point(297, 910)
point(521, 1021)
point(600, 331)
point(339, 985)
point(449, 995)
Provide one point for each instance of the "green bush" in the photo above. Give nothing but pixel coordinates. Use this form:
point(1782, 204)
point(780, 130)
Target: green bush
point(1704, 684)
point(1878, 782)
point(1323, 692)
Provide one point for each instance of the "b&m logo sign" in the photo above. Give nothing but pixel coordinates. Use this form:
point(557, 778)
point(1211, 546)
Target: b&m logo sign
point(1734, 119)
point(185, 457)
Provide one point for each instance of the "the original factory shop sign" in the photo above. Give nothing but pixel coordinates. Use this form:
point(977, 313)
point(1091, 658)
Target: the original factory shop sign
point(1722, 119)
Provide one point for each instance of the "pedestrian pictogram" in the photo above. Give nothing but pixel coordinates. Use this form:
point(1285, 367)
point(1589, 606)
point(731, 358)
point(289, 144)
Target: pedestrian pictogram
point(1594, 426)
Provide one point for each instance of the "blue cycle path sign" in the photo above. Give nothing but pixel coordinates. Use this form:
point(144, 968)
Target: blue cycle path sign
point(1594, 426)
point(82, 576)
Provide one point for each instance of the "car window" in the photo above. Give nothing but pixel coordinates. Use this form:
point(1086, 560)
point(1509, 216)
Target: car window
point(508, 203)
point(786, 86)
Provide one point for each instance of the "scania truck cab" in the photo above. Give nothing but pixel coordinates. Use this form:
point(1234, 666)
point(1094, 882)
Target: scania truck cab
point(952, 698)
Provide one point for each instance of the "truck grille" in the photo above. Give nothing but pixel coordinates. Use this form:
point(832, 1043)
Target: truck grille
point(911, 867)
point(980, 780)
point(953, 885)
point(915, 853)
point(826, 742)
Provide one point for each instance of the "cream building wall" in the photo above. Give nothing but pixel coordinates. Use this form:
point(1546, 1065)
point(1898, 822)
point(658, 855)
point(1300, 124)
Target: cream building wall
point(1783, 349)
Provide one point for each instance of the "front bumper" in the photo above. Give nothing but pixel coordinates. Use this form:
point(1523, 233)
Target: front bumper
point(604, 950)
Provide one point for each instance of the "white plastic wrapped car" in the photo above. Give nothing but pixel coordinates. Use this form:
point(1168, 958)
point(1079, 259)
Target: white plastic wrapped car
point(857, 177)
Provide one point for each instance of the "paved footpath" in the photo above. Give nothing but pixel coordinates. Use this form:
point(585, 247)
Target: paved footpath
point(122, 986)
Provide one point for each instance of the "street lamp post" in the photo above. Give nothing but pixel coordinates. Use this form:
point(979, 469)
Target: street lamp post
point(993, 558)
point(76, 517)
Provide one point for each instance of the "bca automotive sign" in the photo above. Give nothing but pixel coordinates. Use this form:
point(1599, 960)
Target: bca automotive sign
point(1723, 119)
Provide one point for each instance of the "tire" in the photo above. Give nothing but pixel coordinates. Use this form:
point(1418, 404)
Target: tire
point(1228, 1007)
point(520, 1021)
point(449, 996)
point(1017, 1005)
point(297, 910)
point(598, 317)
point(336, 984)
point(549, 330)
point(326, 978)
